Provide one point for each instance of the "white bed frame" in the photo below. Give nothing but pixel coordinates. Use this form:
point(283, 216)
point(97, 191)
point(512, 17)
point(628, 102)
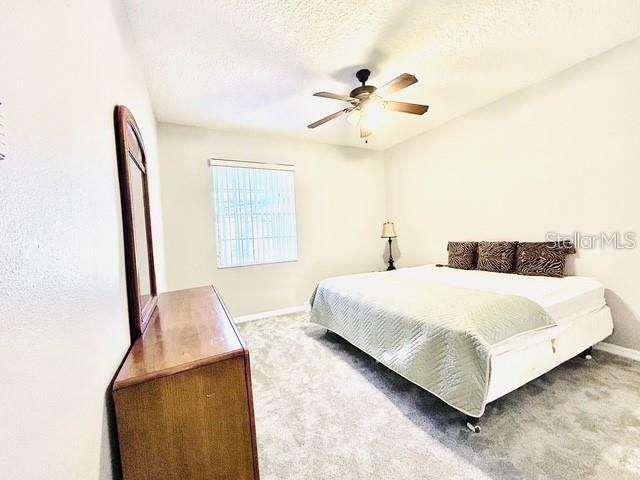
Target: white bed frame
point(515, 368)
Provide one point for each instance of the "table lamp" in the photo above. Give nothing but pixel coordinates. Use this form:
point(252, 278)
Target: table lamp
point(389, 231)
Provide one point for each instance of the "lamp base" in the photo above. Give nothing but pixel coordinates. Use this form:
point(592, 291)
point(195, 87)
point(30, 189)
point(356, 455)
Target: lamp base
point(391, 265)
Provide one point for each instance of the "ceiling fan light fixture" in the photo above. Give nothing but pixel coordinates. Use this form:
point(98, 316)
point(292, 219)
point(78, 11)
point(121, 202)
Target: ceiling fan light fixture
point(371, 114)
point(354, 116)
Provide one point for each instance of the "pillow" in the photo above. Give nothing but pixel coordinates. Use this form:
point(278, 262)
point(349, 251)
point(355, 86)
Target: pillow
point(462, 255)
point(543, 258)
point(496, 256)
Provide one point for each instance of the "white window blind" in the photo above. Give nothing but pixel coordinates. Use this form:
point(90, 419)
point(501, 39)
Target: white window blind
point(255, 213)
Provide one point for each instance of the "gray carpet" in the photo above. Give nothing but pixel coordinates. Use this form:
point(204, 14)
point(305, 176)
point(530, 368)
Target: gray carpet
point(324, 410)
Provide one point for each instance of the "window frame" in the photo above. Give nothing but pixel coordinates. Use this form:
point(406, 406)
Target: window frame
point(216, 162)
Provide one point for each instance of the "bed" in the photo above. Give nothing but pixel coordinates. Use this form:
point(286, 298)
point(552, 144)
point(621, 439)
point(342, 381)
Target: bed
point(466, 336)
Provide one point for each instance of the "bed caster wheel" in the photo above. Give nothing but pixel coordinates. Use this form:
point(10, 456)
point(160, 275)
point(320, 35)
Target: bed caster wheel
point(473, 428)
point(472, 424)
point(586, 355)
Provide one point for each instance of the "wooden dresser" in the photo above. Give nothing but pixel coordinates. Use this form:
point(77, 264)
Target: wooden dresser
point(183, 400)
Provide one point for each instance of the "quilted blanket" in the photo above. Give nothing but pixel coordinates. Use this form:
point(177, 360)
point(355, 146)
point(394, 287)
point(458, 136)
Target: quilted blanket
point(437, 336)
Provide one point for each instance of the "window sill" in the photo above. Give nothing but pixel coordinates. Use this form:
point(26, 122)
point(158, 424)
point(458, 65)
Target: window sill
point(256, 264)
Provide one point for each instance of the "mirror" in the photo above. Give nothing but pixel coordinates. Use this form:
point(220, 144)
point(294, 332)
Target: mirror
point(136, 183)
point(136, 218)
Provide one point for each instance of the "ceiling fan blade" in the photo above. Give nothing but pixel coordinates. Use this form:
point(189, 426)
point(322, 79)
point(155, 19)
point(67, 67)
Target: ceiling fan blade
point(329, 117)
point(398, 83)
point(334, 96)
point(406, 107)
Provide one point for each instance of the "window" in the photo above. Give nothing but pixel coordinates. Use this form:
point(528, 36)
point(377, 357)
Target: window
point(255, 213)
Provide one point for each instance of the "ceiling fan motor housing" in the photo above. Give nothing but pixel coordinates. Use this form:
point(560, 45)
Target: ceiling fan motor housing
point(362, 92)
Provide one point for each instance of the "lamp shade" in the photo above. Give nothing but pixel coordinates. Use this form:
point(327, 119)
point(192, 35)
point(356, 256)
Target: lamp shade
point(388, 230)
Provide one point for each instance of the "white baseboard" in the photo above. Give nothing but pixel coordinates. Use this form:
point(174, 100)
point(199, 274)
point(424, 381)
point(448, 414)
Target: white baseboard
point(618, 350)
point(272, 313)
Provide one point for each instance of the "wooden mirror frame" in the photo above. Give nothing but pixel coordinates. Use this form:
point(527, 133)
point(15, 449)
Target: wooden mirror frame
point(128, 146)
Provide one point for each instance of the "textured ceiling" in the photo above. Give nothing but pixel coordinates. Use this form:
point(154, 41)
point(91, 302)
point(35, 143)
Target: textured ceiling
point(253, 65)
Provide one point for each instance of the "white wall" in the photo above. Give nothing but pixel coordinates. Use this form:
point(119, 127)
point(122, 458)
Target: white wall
point(340, 208)
point(562, 155)
point(62, 289)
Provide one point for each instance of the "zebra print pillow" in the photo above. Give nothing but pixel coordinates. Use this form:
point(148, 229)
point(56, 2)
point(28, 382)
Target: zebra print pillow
point(543, 258)
point(496, 256)
point(462, 255)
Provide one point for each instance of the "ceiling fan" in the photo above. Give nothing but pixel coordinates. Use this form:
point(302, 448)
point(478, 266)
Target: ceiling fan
point(367, 102)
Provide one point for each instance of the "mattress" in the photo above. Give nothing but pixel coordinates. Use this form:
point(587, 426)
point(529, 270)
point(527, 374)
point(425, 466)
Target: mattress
point(563, 298)
point(566, 299)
